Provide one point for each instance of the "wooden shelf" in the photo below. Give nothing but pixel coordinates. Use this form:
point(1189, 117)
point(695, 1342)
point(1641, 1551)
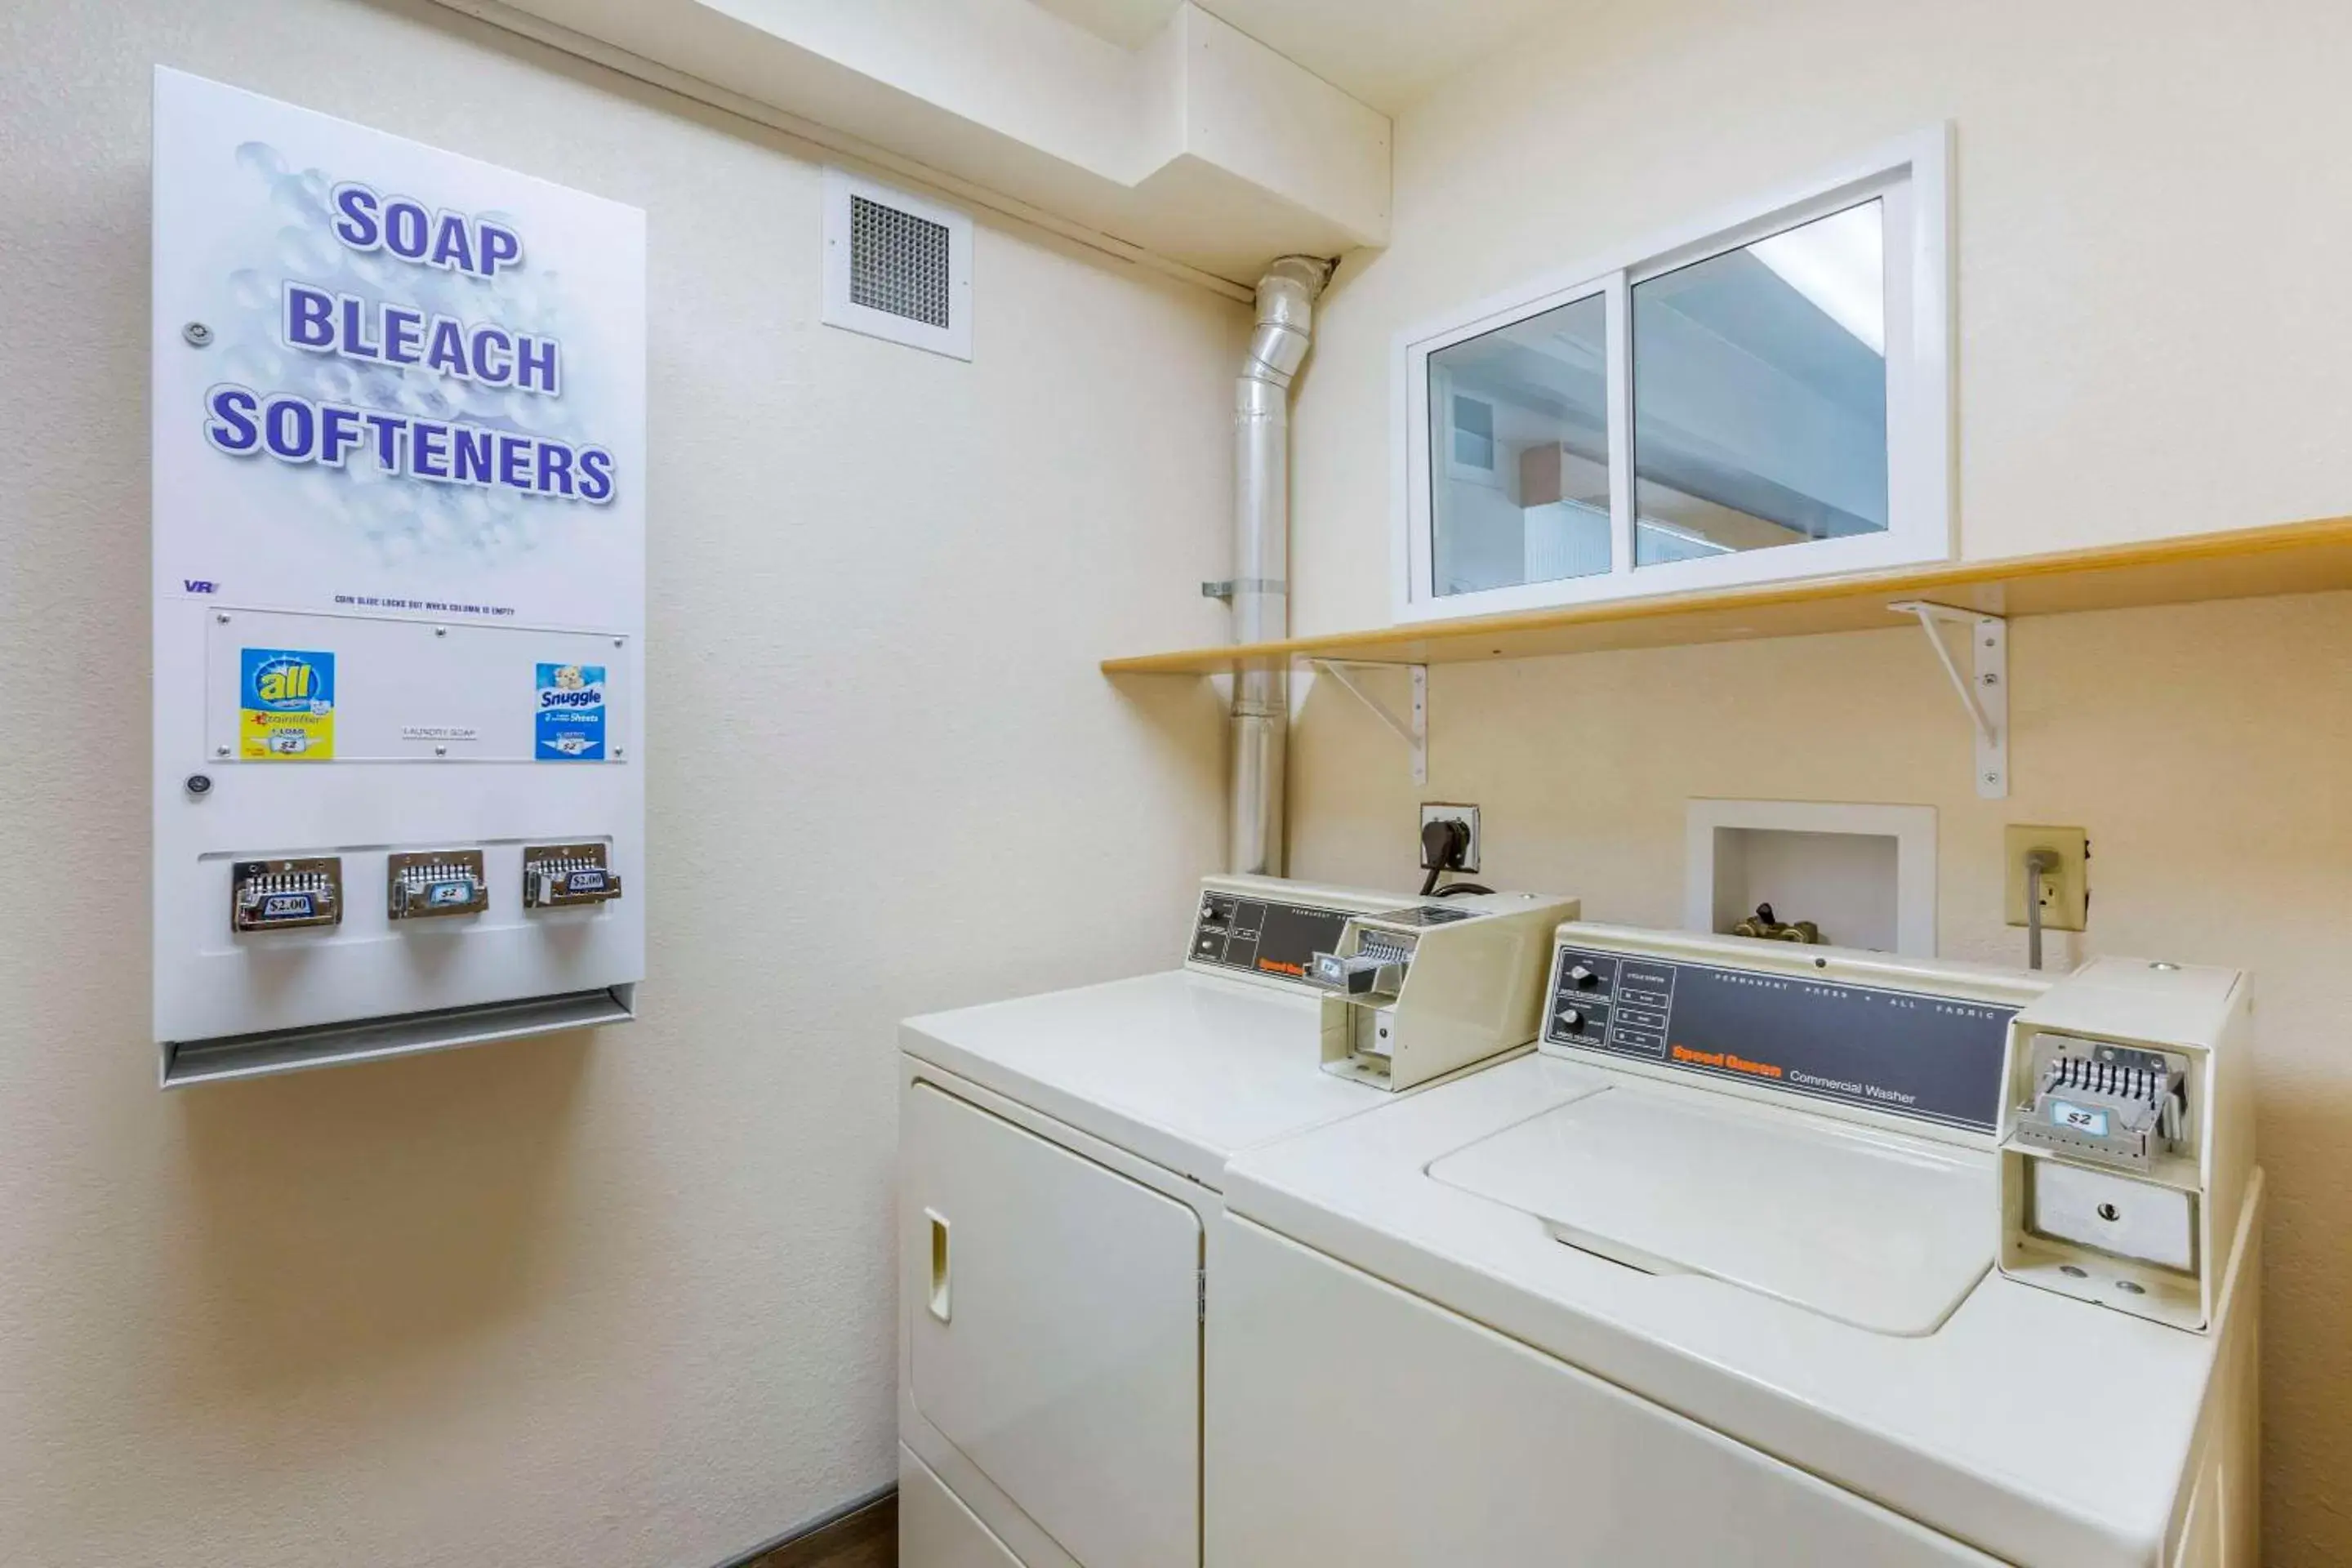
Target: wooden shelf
point(2292, 558)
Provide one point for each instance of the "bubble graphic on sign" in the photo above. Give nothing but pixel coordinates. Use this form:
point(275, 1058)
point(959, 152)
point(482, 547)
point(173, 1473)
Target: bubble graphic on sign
point(425, 393)
point(527, 412)
point(309, 253)
point(481, 403)
point(336, 382)
point(303, 196)
point(520, 304)
point(320, 488)
point(385, 509)
point(550, 302)
point(435, 292)
point(473, 506)
point(260, 158)
point(380, 386)
point(439, 530)
point(530, 529)
point(252, 364)
point(251, 289)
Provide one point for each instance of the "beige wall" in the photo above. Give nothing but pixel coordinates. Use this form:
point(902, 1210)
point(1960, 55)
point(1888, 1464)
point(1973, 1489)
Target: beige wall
point(2151, 321)
point(622, 1299)
point(2149, 231)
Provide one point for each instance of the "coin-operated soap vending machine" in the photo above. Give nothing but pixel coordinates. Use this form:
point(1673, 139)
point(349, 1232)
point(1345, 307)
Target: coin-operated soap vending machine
point(399, 554)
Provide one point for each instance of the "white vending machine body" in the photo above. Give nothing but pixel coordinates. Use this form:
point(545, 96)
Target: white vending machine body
point(399, 517)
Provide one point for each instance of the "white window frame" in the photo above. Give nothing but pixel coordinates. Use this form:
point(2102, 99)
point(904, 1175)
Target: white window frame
point(1913, 176)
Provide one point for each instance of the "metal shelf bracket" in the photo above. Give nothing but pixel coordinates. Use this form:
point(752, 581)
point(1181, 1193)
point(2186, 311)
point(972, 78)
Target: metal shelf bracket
point(1414, 733)
point(1987, 696)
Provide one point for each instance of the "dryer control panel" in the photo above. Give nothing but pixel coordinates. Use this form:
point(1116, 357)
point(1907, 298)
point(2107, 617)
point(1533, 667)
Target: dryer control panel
point(1263, 935)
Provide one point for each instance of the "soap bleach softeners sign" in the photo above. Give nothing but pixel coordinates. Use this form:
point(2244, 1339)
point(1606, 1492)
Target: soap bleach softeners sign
point(399, 512)
point(394, 384)
point(390, 379)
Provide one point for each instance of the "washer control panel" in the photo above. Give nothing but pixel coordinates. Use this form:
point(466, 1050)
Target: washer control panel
point(1820, 1036)
point(1587, 989)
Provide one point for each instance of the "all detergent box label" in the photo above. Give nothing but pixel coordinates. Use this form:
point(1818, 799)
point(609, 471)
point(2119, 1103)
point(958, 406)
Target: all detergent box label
point(570, 717)
point(286, 703)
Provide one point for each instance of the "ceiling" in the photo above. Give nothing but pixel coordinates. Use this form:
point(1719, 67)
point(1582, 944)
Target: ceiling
point(1199, 145)
point(1212, 134)
point(1384, 53)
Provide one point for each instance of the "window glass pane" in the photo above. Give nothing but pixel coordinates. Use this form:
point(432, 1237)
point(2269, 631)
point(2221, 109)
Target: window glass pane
point(1760, 393)
point(1520, 446)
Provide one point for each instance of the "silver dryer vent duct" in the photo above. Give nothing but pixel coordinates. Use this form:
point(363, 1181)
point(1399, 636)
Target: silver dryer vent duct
point(1260, 586)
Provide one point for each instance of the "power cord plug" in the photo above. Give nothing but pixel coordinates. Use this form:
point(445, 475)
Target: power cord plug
point(1445, 844)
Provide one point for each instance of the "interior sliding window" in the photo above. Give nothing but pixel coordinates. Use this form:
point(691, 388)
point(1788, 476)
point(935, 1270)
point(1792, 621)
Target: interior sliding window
point(1765, 395)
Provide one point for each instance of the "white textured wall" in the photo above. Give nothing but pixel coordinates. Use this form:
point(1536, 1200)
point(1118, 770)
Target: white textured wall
point(2153, 321)
point(622, 1299)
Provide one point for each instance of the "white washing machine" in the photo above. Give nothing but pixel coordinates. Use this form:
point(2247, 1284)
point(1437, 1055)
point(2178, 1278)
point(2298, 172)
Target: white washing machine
point(1774, 1256)
point(1061, 1159)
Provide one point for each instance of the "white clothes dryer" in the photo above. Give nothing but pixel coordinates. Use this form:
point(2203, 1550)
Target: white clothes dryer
point(1062, 1157)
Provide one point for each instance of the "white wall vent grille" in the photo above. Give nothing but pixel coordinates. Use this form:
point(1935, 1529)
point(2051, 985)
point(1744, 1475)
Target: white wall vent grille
point(897, 262)
point(896, 266)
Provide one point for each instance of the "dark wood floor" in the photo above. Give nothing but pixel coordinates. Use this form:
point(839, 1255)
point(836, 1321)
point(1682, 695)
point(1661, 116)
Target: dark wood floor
point(867, 1539)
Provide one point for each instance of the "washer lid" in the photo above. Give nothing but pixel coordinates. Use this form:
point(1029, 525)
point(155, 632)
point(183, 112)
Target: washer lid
point(1885, 1233)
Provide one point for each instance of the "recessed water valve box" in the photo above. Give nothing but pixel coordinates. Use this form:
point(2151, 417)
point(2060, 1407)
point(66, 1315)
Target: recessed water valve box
point(560, 876)
point(398, 539)
point(434, 883)
point(286, 895)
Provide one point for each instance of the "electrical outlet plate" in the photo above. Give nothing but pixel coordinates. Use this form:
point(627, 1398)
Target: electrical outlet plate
point(1444, 810)
point(2065, 891)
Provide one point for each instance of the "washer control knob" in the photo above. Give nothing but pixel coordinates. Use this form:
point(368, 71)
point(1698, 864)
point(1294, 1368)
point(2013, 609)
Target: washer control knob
point(1571, 1020)
point(1583, 977)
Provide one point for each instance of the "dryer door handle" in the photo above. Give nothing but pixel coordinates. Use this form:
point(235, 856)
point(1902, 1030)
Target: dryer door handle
point(942, 1277)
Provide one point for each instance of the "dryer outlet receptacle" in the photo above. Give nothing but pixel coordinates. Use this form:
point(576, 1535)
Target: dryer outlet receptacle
point(1446, 811)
